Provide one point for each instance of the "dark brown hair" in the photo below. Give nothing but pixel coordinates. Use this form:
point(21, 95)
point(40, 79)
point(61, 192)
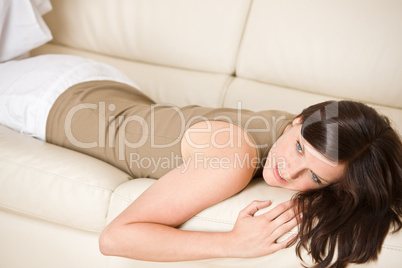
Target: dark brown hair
point(350, 219)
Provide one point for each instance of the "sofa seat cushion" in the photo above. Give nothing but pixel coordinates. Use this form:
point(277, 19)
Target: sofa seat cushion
point(49, 182)
point(217, 218)
point(222, 216)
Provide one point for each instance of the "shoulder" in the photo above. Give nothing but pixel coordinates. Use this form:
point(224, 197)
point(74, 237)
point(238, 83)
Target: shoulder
point(224, 143)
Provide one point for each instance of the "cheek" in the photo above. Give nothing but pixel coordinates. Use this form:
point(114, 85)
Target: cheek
point(276, 150)
point(271, 156)
point(303, 185)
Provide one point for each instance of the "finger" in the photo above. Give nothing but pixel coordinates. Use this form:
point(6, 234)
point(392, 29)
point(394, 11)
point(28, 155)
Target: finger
point(285, 217)
point(279, 210)
point(284, 228)
point(288, 242)
point(254, 206)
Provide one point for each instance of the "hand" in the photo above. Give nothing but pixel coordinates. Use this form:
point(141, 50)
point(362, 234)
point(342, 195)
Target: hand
point(255, 236)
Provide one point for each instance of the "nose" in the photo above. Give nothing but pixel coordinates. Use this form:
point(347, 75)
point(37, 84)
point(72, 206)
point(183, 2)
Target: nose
point(295, 168)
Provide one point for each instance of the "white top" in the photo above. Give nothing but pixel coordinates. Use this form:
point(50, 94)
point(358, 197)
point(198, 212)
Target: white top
point(29, 87)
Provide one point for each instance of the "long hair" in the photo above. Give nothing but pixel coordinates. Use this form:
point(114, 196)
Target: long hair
point(347, 221)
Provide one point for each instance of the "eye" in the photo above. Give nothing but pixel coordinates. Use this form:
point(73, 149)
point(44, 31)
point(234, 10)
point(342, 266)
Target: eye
point(315, 178)
point(300, 150)
point(298, 147)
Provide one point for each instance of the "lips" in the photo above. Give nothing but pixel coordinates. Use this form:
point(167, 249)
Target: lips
point(277, 175)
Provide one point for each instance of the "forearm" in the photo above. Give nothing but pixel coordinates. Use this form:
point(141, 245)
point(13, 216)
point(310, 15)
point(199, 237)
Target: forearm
point(156, 242)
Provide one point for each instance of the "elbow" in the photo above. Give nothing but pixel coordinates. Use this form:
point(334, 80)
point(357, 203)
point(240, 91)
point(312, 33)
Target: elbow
point(106, 242)
point(113, 241)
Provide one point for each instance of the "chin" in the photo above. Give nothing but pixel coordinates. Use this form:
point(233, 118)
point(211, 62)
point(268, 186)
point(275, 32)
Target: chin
point(270, 181)
point(265, 177)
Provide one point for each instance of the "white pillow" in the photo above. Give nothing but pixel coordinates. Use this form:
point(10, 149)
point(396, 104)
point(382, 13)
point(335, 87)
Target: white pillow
point(22, 27)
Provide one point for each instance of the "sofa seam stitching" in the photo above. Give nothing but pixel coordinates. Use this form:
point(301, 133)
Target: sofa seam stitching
point(39, 216)
point(46, 172)
point(202, 218)
point(241, 40)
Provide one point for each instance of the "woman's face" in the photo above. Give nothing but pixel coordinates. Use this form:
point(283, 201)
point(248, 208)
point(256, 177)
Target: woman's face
point(294, 164)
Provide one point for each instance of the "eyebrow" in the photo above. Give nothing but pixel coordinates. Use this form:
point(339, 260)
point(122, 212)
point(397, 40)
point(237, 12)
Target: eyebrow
point(302, 144)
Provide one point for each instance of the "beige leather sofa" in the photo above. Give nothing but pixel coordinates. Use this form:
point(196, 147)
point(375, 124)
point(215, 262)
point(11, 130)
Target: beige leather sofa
point(260, 54)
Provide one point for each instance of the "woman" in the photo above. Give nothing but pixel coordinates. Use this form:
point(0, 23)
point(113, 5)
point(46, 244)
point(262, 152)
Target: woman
point(342, 157)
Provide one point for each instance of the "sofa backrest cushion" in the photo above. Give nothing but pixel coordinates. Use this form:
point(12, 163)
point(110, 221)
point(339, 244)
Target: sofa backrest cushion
point(190, 34)
point(345, 49)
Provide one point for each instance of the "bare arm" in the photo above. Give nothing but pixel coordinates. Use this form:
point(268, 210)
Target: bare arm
point(146, 229)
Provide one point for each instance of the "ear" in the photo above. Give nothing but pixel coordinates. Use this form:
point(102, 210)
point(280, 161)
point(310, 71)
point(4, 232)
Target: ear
point(296, 121)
